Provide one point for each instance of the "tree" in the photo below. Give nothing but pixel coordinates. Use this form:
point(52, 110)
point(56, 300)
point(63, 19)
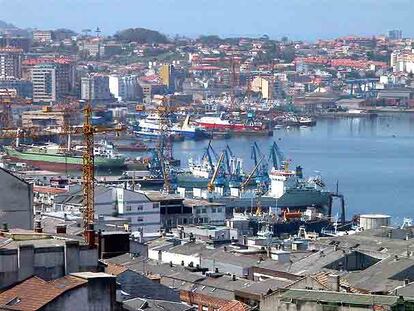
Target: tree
point(140, 35)
point(210, 40)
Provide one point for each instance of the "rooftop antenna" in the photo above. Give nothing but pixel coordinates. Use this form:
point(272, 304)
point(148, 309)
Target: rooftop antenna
point(98, 32)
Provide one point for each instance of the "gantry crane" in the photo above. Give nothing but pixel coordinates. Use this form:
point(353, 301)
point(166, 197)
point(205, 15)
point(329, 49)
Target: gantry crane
point(88, 174)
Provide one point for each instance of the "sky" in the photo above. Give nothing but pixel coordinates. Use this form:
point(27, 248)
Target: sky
point(296, 19)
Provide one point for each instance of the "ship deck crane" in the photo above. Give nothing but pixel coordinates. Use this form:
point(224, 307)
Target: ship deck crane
point(88, 174)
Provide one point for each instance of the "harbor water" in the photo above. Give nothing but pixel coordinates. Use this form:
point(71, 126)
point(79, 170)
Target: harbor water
point(372, 159)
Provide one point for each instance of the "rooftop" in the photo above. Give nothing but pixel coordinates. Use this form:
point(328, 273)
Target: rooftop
point(34, 293)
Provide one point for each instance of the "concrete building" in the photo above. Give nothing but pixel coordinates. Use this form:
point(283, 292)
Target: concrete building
point(11, 63)
point(16, 201)
point(46, 86)
point(42, 36)
point(87, 291)
point(173, 211)
point(65, 71)
point(395, 34)
point(23, 88)
point(167, 76)
point(313, 300)
point(263, 86)
point(205, 212)
point(151, 89)
point(95, 88)
point(27, 253)
point(141, 213)
point(124, 88)
point(402, 61)
point(42, 119)
point(91, 46)
point(16, 42)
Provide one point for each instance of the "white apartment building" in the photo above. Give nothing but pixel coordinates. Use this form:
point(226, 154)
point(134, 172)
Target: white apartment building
point(124, 87)
point(403, 61)
point(44, 79)
point(142, 213)
point(95, 87)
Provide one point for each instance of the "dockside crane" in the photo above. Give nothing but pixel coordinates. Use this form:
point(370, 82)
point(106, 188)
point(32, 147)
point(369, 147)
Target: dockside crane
point(262, 171)
point(213, 181)
point(252, 173)
point(88, 173)
point(276, 157)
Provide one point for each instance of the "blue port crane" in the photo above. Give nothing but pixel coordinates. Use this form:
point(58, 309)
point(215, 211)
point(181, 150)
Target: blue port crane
point(276, 157)
point(233, 168)
point(262, 171)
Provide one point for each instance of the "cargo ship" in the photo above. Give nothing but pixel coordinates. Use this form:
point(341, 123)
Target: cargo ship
point(151, 125)
point(220, 124)
point(51, 157)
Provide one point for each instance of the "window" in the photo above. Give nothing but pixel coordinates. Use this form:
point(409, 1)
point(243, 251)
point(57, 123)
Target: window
point(156, 205)
point(128, 208)
point(204, 210)
point(213, 210)
point(140, 207)
point(140, 219)
point(219, 210)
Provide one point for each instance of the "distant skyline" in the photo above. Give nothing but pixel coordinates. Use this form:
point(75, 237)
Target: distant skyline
point(296, 19)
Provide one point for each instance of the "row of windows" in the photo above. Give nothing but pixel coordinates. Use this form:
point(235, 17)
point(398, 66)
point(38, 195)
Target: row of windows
point(139, 219)
point(139, 207)
point(213, 210)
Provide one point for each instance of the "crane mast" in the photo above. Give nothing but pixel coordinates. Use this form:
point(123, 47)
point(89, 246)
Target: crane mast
point(87, 131)
point(88, 176)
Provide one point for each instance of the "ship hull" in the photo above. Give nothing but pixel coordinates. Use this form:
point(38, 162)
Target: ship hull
point(230, 127)
point(61, 162)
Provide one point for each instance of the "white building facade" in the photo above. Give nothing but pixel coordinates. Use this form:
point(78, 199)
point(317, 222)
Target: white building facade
point(124, 87)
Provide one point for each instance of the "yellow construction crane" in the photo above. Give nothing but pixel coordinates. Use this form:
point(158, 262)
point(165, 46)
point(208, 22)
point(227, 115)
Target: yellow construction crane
point(88, 174)
point(210, 186)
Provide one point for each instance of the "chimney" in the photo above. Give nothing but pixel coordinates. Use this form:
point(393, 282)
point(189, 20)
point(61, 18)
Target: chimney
point(244, 240)
point(38, 226)
point(216, 270)
point(334, 282)
point(171, 263)
point(233, 277)
point(5, 228)
point(182, 263)
point(406, 281)
point(61, 229)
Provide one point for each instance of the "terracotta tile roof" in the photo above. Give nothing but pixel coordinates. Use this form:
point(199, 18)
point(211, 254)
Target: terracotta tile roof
point(34, 293)
point(51, 190)
point(235, 306)
point(115, 269)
